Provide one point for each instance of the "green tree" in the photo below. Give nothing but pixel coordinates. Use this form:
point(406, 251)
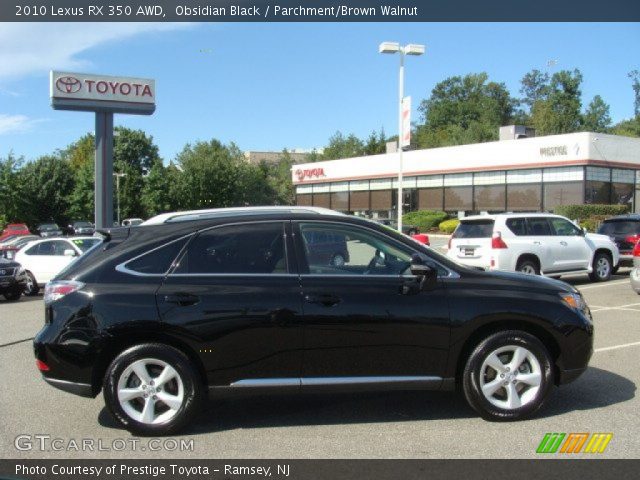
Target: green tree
point(634, 75)
point(82, 197)
point(559, 111)
point(597, 118)
point(465, 109)
point(376, 143)
point(11, 205)
point(134, 148)
point(343, 147)
point(47, 185)
point(534, 87)
point(627, 128)
point(156, 192)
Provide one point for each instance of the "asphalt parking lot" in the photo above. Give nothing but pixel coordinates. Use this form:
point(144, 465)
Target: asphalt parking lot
point(389, 425)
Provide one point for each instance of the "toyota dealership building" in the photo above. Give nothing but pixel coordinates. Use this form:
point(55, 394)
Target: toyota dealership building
point(517, 175)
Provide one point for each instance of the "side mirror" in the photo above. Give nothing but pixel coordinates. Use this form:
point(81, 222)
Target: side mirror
point(70, 252)
point(419, 268)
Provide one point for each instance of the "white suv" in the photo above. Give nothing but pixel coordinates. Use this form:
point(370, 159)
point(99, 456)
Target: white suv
point(540, 244)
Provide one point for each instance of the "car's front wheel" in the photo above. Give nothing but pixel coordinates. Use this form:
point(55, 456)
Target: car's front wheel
point(602, 268)
point(32, 288)
point(152, 389)
point(13, 295)
point(508, 376)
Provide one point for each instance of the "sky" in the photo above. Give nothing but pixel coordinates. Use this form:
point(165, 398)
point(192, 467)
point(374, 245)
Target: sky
point(269, 86)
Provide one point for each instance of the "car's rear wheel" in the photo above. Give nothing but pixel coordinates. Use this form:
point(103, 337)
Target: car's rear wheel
point(528, 266)
point(602, 268)
point(152, 389)
point(32, 287)
point(508, 376)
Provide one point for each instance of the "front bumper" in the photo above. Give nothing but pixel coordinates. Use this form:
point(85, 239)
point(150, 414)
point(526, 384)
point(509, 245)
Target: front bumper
point(13, 283)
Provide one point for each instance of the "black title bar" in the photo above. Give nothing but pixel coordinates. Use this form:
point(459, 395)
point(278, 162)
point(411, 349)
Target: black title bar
point(319, 11)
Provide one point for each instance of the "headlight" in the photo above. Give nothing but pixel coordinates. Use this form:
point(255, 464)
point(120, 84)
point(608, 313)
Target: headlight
point(574, 300)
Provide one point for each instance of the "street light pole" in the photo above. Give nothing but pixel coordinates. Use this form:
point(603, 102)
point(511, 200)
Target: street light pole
point(410, 49)
point(118, 175)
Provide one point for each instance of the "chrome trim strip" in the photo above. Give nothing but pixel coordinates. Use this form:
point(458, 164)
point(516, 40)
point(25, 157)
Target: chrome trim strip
point(317, 381)
point(122, 267)
point(266, 382)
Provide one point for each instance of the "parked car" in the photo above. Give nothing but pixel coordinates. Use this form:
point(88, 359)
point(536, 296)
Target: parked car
point(14, 229)
point(539, 244)
point(406, 229)
point(13, 279)
point(624, 230)
point(81, 228)
point(635, 272)
point(46, 230)
point(131, 222)
point(8, 250)
point(44, 259)
point(234, 301)
point(326, 248)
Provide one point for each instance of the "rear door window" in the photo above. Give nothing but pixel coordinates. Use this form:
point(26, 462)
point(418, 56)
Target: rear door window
point(474, 229)
point(236, 249)
point(539, 226)
point(518, 226)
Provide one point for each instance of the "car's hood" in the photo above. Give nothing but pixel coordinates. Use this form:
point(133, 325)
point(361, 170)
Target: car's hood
point(4, 263)
point(521, 281)
point(598, 238)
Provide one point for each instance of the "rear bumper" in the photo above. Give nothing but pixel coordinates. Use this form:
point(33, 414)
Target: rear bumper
point(81, 389)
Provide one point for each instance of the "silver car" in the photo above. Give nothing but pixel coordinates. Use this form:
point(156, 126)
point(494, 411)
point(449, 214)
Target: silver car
point(635, 272)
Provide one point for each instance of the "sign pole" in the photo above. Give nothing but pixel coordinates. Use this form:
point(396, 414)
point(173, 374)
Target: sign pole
point(104, 170)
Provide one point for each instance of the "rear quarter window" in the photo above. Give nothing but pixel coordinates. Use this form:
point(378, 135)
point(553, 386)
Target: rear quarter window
point(518, 226)
point(158, 260)
point(474, 229)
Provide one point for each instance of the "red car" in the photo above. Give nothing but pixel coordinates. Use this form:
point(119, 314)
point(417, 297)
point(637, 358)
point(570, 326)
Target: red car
point(14, 229)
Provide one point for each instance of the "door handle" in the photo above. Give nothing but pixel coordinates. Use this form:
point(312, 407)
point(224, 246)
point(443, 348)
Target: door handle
point(326, 300)
point(182, 299)
point(563, 243)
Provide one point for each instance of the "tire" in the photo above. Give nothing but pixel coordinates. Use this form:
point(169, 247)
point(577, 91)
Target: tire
point(184, 391)
point(32, 288)
point(515, 399)
point(615, 269)
point(602, 268)
point(13, 296)
point(528, 266)
point(338, 260)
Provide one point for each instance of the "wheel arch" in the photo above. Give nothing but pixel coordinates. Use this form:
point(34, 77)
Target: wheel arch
point(491, 327)
point(528, 256)
point(116, 344)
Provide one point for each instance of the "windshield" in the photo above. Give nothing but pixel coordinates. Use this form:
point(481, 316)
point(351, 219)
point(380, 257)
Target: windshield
point(48, 226)
point(82, 224)
point(619, 227)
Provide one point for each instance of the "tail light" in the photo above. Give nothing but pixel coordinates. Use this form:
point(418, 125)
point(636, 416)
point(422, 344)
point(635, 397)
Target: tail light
point(57, 289)
point(43, 367)
point(497, 242)
point(636, 249)
point(633, 239)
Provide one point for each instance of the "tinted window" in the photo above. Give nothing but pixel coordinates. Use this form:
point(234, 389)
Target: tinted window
point(517, 225)
point(619, 227)
point(474, 229)
point(158, 260)
point(248, 249)
point(337, 250)
point(564, 227)
point(539, 226)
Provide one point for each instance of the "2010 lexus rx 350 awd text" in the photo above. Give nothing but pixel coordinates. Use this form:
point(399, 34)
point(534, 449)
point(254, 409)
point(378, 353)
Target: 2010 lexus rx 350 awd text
point(191, 303)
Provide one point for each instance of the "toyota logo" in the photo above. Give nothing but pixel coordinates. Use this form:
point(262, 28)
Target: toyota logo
point(68, 84)
point(300, 174)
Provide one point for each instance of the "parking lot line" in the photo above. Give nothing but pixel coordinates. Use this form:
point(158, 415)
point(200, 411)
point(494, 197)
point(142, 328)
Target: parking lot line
point(597, 308)
point(616, 347)
point(605, 284)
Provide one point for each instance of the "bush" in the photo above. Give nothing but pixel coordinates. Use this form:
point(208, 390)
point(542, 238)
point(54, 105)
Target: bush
point(448, 226)
point(591, 224)
point(425, 220)
point(590, 211)
point(3, 222)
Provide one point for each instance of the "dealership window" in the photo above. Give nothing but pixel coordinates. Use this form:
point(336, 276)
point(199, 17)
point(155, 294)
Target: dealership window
point(429, 181)
point(359, 185)
point(381, 184)
point(524, 198)
point(524, 176)
point(563, 174)
point(599, 174)
point(381, 201)
point(458, 198)
point(359, 201)
point(622, 193)
point(489, 198)
point(562, 193)
point(322, 200)
point(304, 200)
point(597, 192)
point(489, 178)
point(458, 179)
point(430, 199)
point(340, 201)
point(407, 182)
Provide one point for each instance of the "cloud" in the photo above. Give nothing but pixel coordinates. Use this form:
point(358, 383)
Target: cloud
point(27, 48)
point(12, 124)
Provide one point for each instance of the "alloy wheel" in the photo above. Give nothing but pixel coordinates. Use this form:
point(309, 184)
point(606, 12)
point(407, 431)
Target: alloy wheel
point(510, 377)
point(150, 391)
point(603, 267)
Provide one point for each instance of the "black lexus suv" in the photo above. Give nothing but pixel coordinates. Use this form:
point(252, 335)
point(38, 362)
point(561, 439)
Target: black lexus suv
point(235, 300)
